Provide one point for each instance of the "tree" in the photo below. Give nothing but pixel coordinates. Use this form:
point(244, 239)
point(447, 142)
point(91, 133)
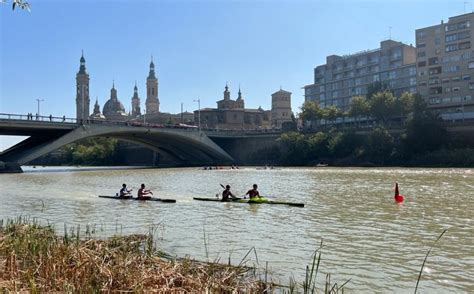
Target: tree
point(375, 88)
point(425, 131)
point(382, 106)
point(331, 113)
point(358, 107)
point(18, 3)
point(310, 111)
point(294, 148)
point(318, 145)
point(380, 145)
point(404, 104)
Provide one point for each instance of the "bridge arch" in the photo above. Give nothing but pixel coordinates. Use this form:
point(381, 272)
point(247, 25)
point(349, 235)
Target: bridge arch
point(189, 146)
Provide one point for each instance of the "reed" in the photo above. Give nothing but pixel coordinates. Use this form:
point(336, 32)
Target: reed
point(34, 259)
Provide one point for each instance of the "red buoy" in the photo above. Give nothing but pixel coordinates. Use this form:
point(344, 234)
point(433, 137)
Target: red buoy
point(398, 197)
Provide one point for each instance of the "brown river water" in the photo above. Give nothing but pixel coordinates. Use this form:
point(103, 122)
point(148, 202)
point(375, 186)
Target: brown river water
point(367, 237)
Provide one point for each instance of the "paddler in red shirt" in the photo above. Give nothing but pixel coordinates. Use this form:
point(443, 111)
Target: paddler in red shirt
point(253, 193)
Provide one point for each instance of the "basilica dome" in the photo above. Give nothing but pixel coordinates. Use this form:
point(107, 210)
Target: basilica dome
point(113, 106)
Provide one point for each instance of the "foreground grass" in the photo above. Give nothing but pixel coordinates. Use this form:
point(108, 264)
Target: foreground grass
point(33, 258)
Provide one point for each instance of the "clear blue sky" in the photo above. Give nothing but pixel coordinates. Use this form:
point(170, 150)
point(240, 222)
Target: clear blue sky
point(197, 46)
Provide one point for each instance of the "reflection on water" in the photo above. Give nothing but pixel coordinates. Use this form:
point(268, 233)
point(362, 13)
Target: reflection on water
point(366, 236)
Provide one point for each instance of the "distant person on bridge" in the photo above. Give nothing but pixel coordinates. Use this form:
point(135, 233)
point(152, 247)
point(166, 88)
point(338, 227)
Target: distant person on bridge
point(124, 192)
point(143, 193)
point(227, 193)
point(253, 193)
point(50, 117)
point(64, 118)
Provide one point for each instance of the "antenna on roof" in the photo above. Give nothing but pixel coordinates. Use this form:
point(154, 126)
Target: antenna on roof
point(390, 33)
point(465, 2)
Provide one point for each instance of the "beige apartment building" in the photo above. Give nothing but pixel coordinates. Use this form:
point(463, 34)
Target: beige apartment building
point(343, 77)
point(445, 67)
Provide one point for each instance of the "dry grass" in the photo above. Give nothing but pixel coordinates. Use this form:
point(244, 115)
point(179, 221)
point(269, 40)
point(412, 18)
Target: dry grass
point(34, 259)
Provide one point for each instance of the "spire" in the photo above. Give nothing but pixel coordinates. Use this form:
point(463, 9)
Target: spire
point(239, 97)
point(151, 74)
point(135, 89)
point(113, 92)
point(82, 67)
point(96, 107)
point(226, 92)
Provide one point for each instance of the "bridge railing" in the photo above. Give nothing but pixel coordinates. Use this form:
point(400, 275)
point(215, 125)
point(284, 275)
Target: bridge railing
point(39, 118)
point(132, 123)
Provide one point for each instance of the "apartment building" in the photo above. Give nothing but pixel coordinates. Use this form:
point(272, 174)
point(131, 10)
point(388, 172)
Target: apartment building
point(445, 67)
point(343, 77)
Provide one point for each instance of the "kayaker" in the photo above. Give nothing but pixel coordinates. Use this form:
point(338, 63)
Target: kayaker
point(253, 193)
point(124, 192)
point(227, 193)
point(143, 193)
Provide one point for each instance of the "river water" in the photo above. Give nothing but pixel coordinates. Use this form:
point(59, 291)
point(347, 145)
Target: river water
point(367, 238)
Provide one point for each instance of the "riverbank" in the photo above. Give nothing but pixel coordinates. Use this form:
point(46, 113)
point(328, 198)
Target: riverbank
point(35, 259)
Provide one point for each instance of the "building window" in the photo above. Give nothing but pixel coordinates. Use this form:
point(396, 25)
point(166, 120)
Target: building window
point(358, 81)
point(447, 90)
point(445, 80)
point(335, 94)
point(435, 100)
point(464, 45)
point(435, 70)
point(471, 86)
point(466, 77)
point(421, 54)
point(412, 81)
point(436, 90)
point(456, 89)
point(451, 48)
point(422, 73)
point(422, 83)
point(468, 98)
point(322, 96)
point(470, 65)
point(456, 79)
point(421, 45)
point(451, 38)
point(358, 91)
point(420, 34)
point(433, 61)
point(421, 63)
point(438, 51)
point(321, 89)
point(433, 81)
point(392, 75)
point(376, 78)
point(451, 68)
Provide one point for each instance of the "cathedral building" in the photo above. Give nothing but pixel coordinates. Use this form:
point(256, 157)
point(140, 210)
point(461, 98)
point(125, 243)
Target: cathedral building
point(232, 114)
point(113, 109)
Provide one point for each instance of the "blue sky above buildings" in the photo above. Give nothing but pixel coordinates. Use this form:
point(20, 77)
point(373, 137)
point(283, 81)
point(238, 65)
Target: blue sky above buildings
point(197, 47)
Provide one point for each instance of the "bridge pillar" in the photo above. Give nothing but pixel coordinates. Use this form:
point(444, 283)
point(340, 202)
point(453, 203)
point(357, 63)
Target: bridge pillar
point(10, 167)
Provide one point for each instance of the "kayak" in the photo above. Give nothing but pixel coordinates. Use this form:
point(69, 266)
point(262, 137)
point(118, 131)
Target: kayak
point(134, 198)
point(253, 201)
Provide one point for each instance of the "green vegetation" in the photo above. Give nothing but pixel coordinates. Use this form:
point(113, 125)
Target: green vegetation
point(93, 151)
point(420, 138)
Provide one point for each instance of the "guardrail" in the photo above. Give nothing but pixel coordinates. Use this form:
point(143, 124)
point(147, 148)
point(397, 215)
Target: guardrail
point(41, 118)
point(132, 123)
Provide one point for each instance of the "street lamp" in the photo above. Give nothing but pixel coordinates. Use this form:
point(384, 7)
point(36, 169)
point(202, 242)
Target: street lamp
point(199, 113)
point(39, 100)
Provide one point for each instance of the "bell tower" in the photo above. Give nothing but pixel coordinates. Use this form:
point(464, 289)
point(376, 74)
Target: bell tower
point(152, 102)
point(82, 91)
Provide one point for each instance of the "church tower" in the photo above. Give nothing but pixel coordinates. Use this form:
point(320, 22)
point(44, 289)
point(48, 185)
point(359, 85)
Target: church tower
point(82, 91)
point(152, 103)
point(135, 102)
